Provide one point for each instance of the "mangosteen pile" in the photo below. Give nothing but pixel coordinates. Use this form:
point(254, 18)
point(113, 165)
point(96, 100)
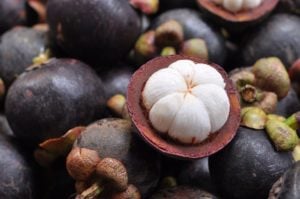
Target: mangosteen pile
point(149, 99)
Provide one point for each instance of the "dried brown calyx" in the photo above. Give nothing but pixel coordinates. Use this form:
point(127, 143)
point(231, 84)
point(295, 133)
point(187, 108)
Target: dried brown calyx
point(263, 84)
point(207, 130)
point(95, 176)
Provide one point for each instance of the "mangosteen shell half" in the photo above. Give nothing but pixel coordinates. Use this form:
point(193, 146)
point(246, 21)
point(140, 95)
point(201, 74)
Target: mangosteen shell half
point(167, 146)
point(239, 21)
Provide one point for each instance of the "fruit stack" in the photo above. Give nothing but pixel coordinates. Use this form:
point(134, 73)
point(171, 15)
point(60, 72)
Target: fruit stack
point(154, 99)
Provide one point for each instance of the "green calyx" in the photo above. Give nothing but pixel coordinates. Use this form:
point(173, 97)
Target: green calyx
point(253, 117)
point(283, 137)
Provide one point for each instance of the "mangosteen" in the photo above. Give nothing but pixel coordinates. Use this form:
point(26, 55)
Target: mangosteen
point(12, 13)
point(49, 99)
point(167, 5)
point(182, 192)
point(4, 126)
point(248, 166)
point(17, 176)
point(276, 37)
point(194, 26)
point(287, 186)
point(116, 80)
point(289, 104)
point(96, 32)
point(183, 106)
point(18, 48)
point(236, 15)
point(115, 138)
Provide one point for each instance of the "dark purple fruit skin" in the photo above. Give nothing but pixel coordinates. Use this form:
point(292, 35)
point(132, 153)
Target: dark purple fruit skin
point(46, 102)
point(18, 47)
point(290, 187)
point(182, 192)
point(195, 27)
point(17, 178)
point(116, 80)
point(277, 37)
point(289, 104)
point(4, 126)
point(196, 173)
point(12, 13)
point(167, 4)
point(248, 166)
point(94, 31)
point(115, 138)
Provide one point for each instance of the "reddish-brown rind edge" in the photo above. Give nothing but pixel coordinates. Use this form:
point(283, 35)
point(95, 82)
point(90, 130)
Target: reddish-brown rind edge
point(242, 16)
point(168, 147)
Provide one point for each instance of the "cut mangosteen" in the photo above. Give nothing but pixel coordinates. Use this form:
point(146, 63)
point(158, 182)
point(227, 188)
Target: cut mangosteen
point(236, 15)
point(49, 99)
point(248, 166)
point(96, 32)
point(170, 101)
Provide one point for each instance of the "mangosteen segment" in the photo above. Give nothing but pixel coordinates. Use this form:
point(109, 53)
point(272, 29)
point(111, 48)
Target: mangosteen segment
point(140, 101)
point(238, 5)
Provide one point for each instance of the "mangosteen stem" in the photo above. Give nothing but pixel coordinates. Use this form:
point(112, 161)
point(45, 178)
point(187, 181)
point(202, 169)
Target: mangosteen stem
point(91, 193)
point(42, 57)
point(293, 121)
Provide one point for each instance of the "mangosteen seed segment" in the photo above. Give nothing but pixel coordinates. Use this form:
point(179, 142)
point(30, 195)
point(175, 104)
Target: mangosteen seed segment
point(186, 101)
point(238, 5)
point(171, 101)
point(49, 99)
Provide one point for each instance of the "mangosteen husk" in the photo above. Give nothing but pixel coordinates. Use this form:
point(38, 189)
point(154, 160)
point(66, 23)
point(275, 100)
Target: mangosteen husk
point(239, 21)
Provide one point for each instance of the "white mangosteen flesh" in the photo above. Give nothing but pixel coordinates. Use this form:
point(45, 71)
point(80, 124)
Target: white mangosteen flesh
point(187, 101)
point(238, 5)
